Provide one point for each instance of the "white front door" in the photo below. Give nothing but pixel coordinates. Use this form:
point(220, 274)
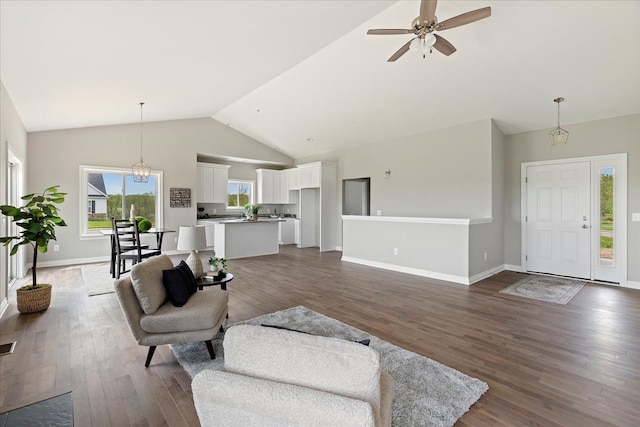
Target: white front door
point(558, 219)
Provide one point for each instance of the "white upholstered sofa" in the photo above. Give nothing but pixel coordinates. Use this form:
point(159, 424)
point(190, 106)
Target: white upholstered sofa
point(277, 377)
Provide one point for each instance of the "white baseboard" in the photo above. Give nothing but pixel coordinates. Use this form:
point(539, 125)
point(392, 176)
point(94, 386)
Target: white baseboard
point(487, 273)
point(409, 270)
point(72, 261)
point(90, 260)
point(632, 284)
point(3, 306)
point(513, 267)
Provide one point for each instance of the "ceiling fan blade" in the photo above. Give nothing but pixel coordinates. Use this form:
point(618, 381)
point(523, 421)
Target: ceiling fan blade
point(443, 45)
point(465, 18)
point(404, 49)
point(428, 11)
point(391, 31)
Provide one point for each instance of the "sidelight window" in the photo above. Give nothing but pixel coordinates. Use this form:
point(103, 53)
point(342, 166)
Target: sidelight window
point(607, 216)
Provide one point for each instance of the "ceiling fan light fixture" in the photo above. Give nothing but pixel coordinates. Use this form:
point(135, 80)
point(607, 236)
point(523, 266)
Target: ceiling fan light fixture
point(140, 170)
point(415, 45)
point(430, 39)
point(558, 136)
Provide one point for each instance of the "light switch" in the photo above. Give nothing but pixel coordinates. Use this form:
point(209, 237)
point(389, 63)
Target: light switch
point(379, 212)
point(635, 216)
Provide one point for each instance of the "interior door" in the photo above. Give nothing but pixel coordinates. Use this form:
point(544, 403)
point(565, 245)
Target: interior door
point(558, 219)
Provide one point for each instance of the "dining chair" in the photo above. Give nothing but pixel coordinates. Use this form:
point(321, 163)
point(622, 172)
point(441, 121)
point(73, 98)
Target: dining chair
point(128, 245)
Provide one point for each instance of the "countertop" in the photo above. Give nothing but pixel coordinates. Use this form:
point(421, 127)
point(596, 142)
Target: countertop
point(244, 221)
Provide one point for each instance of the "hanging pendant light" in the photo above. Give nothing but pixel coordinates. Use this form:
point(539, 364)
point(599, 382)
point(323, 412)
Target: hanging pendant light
point(558, 135)
point(140, 170)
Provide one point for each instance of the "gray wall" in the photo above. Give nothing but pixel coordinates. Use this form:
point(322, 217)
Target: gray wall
point(489, 238)
point(172, 147)
point(600, 137)
point(12, 133)
point(445, 173)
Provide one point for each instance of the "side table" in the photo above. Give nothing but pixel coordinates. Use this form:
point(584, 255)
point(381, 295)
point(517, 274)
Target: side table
point(222, 282)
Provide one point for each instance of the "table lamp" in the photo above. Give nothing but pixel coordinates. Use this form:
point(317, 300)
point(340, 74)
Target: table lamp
point(193, 239)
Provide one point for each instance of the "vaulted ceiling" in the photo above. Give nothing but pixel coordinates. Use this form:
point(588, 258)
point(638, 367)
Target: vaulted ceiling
point(305, 78)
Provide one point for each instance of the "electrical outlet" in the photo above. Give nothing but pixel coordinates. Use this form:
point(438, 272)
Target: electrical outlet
point(287, 210)
point(214, 211)
point(268, 210)
point(56, 248)
point(395, 251)
point(379, 212)
point(485, 256)
point(175, 240)
point(635, 217)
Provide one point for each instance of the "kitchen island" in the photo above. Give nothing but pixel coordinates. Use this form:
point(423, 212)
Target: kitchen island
point(235, 238)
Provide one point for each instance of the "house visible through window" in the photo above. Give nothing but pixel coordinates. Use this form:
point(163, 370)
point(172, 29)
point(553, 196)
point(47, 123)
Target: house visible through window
point(240, 193)
point(110, 192)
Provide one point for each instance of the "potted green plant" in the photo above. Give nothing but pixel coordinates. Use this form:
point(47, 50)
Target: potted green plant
point(252, 211)
point(37, 221)
point(217, 264)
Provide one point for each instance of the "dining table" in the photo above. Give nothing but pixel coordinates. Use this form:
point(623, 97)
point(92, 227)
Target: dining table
point(158, 231)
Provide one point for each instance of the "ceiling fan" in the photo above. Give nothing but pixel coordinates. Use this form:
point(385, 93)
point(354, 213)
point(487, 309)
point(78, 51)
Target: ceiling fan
point(424, 27)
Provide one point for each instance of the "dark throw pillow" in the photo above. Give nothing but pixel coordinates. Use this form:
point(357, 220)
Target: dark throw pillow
point(363, 342)
point(176, 283)
point(193, 286)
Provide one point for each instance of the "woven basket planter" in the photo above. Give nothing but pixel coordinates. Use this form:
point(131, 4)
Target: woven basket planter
point(31, 301)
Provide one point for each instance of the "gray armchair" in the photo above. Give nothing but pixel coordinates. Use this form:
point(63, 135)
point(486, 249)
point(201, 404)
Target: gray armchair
point(153, 320)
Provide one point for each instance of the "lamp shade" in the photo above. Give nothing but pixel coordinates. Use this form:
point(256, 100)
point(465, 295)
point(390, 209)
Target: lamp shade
point(192, 238)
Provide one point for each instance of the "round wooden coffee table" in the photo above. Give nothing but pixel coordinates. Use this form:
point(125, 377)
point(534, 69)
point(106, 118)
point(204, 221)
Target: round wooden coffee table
point(222, 282)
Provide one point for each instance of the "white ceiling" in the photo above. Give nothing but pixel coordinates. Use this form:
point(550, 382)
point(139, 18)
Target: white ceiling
point(312, 70)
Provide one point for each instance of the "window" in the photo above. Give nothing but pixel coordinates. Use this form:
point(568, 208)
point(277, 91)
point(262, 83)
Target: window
point(239, 194)
point(607, 226)
point(110, 192)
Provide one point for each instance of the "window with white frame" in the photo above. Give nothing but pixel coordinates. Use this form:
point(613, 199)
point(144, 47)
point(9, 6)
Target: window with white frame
point(109, 192)
point(239, 193)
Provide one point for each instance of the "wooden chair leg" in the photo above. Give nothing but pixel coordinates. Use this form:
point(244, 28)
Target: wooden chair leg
point(152, 350)
point(210, 348)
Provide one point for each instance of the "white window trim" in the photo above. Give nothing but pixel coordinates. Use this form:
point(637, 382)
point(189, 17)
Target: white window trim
point(85, 170)
point(241, 181)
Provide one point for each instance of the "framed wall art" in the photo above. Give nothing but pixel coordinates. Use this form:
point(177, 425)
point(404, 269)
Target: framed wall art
point(180, 197)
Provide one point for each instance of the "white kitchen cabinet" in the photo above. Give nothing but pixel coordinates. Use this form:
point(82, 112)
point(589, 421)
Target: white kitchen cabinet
point(288, 194)
point(294, 179)
point(296, 232)
point(287, 231)
point(205, 184)
point(266, 181)
point(312, 186)
point(310, 175)
point(220, 184)
point(212, 183)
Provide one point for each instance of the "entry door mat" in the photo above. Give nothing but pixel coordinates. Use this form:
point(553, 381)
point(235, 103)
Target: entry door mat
point(54, 412)
point(545, 288)
point(97, 279)
point(427, 393)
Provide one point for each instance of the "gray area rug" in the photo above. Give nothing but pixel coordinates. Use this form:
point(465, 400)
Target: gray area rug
point(97, 279)
point(427, 393)
point(545, 288)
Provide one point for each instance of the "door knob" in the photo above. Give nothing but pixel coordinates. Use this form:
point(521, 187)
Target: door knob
point(585, 226)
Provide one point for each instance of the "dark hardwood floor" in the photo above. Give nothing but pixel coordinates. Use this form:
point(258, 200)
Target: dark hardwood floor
point(546, 364)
